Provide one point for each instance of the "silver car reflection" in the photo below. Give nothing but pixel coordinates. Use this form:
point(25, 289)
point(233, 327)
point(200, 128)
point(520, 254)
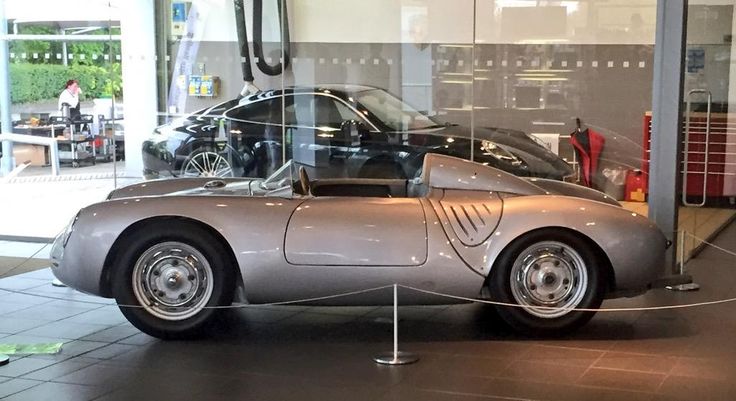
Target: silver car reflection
point(176, 248)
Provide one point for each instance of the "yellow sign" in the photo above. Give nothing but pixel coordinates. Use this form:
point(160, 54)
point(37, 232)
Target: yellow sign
point(204, 85)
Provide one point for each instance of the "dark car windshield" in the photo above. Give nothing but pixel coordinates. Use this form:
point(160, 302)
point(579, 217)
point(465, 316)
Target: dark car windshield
point(393, 112)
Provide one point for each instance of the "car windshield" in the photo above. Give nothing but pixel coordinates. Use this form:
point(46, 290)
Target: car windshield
point(282, 178)
point(393, 112)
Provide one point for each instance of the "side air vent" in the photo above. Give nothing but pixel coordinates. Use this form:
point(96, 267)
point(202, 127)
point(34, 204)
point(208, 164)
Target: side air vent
point(472, 221)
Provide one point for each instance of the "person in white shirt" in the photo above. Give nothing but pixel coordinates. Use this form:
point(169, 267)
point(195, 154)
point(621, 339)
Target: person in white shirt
point(70, 96)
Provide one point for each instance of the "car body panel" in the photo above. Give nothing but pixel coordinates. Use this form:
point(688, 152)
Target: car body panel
point(626, 238)
point(443, 272)
point(282, 262)
point(473, 176)
point(364, 231)
point(473, 216)
point(164, 186)
point(555, 187)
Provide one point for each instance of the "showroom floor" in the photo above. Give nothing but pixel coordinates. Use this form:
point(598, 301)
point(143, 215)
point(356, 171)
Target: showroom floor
point(278, 353)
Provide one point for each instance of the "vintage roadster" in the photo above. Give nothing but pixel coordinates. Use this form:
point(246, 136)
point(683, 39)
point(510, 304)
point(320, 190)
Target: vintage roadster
point(169, 251)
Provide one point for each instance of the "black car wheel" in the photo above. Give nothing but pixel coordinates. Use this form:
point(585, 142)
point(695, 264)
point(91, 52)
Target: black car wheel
point(549, 273)
point(168, 279)
point(207, 164)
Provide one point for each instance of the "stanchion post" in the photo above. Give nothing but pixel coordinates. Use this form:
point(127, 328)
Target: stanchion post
point(682, 251)
point(396, 357)
point(681, 268)
point(57, 283)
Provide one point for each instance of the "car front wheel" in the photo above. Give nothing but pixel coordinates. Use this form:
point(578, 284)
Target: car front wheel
point(549, 274)
point(169, 279)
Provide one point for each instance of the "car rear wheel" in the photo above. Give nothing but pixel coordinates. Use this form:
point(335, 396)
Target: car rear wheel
point(169, 279)
point(549, 274)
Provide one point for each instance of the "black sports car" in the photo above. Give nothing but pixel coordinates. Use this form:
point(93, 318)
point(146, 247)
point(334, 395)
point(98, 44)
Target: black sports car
point(335, 131)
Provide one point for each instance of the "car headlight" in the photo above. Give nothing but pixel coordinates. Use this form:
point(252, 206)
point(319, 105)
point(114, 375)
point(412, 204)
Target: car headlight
point(64, 237)
point(490, 148)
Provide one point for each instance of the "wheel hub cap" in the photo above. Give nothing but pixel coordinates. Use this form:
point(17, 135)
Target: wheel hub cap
point(172, 281)
point(549, 275)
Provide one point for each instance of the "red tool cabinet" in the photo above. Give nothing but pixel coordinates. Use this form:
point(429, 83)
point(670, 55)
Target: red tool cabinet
point(720, 170)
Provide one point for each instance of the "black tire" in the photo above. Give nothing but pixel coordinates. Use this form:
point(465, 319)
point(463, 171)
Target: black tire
point(154, 255)
point(549, 267)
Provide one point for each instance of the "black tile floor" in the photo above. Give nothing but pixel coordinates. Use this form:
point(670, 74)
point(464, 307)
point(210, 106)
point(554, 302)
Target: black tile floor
point(314, 353)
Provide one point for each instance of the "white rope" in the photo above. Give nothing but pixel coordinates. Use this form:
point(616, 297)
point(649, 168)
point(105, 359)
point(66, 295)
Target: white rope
point(24, 261)
point(297, 301)
point(551, 308)
point(732, 253)
point(233, 306)
point(439, 294)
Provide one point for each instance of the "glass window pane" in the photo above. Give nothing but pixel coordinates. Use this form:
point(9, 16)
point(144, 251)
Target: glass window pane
point(264, 111)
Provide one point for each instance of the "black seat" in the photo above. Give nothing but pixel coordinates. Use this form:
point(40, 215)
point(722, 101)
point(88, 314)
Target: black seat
point(302, 186)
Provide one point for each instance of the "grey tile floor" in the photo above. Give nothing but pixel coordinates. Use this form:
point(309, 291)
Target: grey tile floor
point(312, 353)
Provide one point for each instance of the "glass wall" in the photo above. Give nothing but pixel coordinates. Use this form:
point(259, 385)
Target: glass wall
point(708, 171)
point(369, 87)
point(48, 47)
point(569, 61)
point(65, 82)
point(463, 78)
point(349, 88)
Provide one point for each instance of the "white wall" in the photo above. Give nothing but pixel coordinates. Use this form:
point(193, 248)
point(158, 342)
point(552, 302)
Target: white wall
point(449, 21)
point(139, 78)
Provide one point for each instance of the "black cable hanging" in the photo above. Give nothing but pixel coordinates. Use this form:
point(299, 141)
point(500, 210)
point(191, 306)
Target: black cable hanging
point(258, 51)
point(278, 68)
point(243, 39)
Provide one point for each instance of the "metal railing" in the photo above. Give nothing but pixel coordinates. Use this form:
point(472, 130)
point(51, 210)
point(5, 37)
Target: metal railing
point(52, 143)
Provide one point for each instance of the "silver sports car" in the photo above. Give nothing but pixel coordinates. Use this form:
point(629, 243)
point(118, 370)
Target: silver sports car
point(169, 251)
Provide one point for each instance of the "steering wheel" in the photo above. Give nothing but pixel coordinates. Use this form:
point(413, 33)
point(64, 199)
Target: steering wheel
point(304, 181)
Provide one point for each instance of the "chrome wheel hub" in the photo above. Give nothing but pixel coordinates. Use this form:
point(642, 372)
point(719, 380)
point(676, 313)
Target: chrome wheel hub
point(172, 281)
point(549, 275)
point(207, 164)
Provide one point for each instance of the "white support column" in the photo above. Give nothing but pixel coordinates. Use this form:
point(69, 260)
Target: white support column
point(7, 162)
point(138, 42)
point(667, 104)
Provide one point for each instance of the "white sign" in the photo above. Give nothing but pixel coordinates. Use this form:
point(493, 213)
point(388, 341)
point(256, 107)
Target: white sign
point(551, 141)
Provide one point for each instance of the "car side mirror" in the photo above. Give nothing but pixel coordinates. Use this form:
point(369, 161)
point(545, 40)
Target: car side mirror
point(353, 131)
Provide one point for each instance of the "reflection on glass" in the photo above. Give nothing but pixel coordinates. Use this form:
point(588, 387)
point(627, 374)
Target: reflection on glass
point(397, 115)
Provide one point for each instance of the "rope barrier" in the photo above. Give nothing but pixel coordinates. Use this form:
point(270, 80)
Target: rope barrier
point(732, 253)
point(233, 306)
point(551, 308)
point(24, 261)
point(438, 294)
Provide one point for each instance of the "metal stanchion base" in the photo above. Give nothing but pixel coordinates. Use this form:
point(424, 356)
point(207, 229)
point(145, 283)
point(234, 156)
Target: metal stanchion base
point(400, 358)
point(4, 359)
point(672, 280)
point(684, 287)
point(57, 283)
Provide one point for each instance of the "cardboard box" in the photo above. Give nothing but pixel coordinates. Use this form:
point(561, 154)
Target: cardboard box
point(23, 152)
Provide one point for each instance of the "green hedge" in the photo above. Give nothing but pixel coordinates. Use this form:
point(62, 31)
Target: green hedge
point(34, 82)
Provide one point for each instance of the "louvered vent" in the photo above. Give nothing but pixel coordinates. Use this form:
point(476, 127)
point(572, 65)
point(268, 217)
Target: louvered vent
point(473, 222)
